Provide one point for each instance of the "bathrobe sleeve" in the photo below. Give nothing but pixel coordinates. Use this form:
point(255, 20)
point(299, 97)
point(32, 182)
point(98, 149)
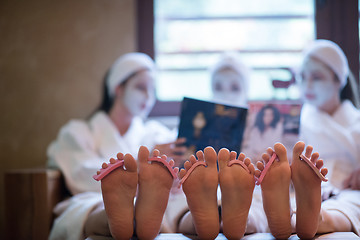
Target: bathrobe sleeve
point(74, 152)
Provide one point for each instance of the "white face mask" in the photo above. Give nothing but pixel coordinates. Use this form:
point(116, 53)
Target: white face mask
point(227, 88)
point(318, 85)
point(139, 94)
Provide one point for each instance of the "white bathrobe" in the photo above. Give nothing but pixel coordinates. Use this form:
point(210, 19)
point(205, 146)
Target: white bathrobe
point(80, 149)
point(337, 139)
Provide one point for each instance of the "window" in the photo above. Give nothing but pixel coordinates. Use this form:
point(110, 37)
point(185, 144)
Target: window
point(189, 36)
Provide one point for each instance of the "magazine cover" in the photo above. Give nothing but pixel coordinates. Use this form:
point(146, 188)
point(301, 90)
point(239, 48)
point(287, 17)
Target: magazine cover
point(269, 122)
point(205, 123)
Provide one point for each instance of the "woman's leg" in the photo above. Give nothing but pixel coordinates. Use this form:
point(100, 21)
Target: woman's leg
point(97, 222)
point(186, 224)
point(333, 221)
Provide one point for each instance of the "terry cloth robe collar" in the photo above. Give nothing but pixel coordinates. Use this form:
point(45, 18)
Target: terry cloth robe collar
point(108, 138)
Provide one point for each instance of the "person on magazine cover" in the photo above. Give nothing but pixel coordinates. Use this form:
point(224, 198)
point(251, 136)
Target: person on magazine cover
point(265, 131)
point(230, 80)
point(117, 125)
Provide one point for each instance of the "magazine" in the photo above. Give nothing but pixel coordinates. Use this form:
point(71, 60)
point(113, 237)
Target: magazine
point(252, 130)
point(205, 123)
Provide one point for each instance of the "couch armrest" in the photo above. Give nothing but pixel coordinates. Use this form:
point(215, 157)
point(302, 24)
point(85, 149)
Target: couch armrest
point(30, 196)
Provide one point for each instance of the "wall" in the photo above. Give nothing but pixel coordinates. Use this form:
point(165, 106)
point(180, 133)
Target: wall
point(53, 55)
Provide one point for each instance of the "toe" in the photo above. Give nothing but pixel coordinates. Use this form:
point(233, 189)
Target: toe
point(164, 157)
point(210, 156)
point(187, 165)
point(192, 159)
point(247, 161)
point(251, 168)
point(257, 173)
point(280, 151)
point(120, 156)
point(233, 155)
point(308, 151)
point(104, 165)
point(200, 156)
point(260, 165)
point(265, 157)
point(319, 163)
point(224, 157)
point(143, 154)
point(270, 151)
point(242, 157)
point(182, 173)
point(314, 157)
point(130, 163)
point(156, 153)
point(324, 171)
point(298, 149)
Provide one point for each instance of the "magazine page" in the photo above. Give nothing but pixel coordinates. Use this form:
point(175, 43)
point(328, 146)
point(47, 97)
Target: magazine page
point(269, 122)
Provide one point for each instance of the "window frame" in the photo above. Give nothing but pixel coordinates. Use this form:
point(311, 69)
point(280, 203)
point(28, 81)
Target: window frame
point(145, 43)
point(330, 17)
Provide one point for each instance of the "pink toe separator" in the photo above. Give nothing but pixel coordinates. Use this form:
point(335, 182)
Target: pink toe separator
point(241, 163)
point(198, 163)
point(166, 164)
point(111, 167)
point(263, 173)
point(313, 167)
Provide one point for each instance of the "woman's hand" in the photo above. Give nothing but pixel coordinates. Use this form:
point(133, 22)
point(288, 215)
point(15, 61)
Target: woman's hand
point(174, 150)
point(353, 181)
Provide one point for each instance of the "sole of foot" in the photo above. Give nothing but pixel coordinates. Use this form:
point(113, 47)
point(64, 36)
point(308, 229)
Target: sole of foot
point(307, 190)
point(118, 190)
point(275, 191)
point(200, 189)
point(155, 182)
point(237, 186)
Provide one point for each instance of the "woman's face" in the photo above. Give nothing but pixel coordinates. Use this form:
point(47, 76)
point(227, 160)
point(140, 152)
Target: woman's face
point(319, 85)
point(139, 94)
point(226, 87)
point(268, 116)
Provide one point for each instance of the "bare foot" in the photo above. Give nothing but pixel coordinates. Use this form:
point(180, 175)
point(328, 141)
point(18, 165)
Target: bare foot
point(308, 191)
point(237, 186)
point(275, 192)
point(118, 190)
point(155, 182)
point(200, 189)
